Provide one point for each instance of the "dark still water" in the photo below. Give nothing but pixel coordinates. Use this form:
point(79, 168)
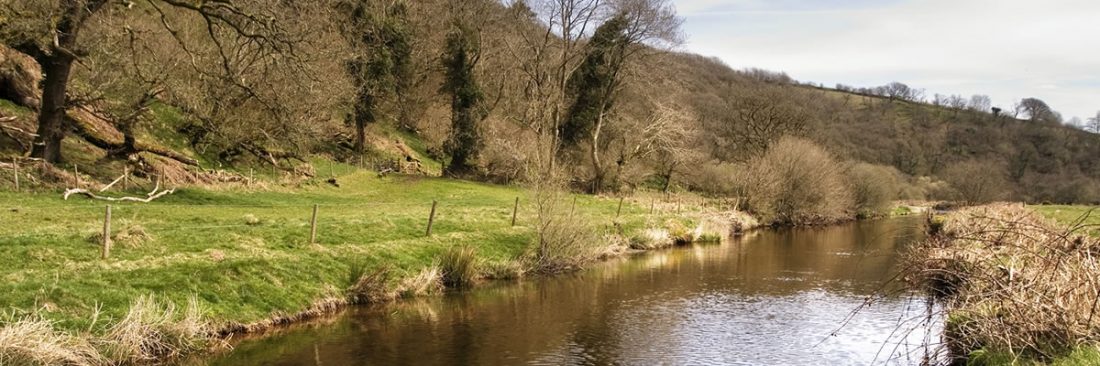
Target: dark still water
point(772, 297)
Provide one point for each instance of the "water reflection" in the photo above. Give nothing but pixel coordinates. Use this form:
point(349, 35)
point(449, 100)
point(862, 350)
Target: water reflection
point(773, 298)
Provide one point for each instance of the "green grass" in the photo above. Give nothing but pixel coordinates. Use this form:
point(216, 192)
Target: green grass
point(1088, 216)
point(208, 243)
point(1081, 356)
point(901, 211)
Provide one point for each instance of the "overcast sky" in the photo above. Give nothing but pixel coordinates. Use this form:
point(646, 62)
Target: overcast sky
point(1007, 49)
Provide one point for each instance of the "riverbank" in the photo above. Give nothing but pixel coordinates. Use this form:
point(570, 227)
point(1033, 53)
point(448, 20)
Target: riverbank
point(230, 260)
point(1018, 287)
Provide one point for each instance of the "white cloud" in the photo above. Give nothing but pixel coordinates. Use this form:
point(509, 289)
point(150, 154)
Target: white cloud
point(1006, 49)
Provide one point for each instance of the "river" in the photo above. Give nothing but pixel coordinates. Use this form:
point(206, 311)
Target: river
point(772, 297)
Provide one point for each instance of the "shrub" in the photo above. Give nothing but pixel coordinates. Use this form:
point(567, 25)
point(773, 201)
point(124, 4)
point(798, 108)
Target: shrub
point(796, 182)
point(874, 188)
point(460, 266)
point(975, 182)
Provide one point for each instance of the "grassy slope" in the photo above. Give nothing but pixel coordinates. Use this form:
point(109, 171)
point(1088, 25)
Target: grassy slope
point(202, 246)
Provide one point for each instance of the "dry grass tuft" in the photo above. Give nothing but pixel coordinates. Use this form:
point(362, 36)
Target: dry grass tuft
point(32, 341)
point(1013, 281)
point(153, 331)
point(652, 238)
point(505, 270)
point(370, 287)
point(681, 234)
point(459, 265)
point(428, 281)
point(133, 236)
point(251, 220)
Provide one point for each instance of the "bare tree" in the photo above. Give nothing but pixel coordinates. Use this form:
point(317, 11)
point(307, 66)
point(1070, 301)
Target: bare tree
point(760, 116)
point(56, 34)
point(980, 103)
point(1093, 123)
point(900, 91)
point(1036, 110)
point(548, 51)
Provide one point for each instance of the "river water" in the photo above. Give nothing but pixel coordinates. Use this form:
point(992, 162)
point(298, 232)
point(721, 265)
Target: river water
point(772, 297)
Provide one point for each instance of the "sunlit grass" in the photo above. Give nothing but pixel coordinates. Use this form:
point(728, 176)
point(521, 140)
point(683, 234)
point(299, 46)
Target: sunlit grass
point(245, 255)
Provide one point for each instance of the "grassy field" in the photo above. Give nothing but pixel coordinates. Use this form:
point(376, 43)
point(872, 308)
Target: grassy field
point(245, 254)
point(1073, 215)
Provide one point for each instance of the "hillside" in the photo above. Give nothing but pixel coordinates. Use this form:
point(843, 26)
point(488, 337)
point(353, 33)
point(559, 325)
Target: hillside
point(671, 120)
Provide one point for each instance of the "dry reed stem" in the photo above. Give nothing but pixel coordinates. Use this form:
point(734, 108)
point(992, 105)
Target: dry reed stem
point(1013, 281)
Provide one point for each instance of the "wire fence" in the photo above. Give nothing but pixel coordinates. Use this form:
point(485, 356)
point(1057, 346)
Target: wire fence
point(82, 220)
point(77, 217)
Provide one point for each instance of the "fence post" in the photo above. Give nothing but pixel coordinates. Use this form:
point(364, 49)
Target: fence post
point(76, 172)
point(125, 178)
point(619, 211)
point(515, 210)
point(313, 226)
point(574, 207)
point(431, 218)
point(15, 172)
point(107, 234)
point(652, 205)
point(251, 177)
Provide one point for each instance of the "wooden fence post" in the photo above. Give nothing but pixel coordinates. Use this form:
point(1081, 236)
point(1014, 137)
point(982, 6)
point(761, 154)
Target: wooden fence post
point(107, 234)
point(15, 172)
point(515, 210)
point(574, 207)
point(313, 226)
point(431, 218)
point(76, 172)
point(125, 178)
point(652, 205)
point(619, 211)
point(251, 177)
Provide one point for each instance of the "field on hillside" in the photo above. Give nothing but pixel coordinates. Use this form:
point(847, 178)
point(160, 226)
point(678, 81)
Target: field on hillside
point(246, 254)
point(1088, 216)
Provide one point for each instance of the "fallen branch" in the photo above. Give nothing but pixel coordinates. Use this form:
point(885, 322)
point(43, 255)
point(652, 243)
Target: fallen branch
point(150, 197)
point(106, 187)
point(89, 135)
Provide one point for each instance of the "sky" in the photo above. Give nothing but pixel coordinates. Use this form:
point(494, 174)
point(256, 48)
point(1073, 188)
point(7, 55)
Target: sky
point(1006, 49)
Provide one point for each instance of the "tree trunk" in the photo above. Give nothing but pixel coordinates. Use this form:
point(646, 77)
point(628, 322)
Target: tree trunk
point(360, 135)
point(51, 119)
point(597, 165)
point(668, 178)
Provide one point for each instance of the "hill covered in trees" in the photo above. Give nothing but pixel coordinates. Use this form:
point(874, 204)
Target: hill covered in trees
point(590, 94)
